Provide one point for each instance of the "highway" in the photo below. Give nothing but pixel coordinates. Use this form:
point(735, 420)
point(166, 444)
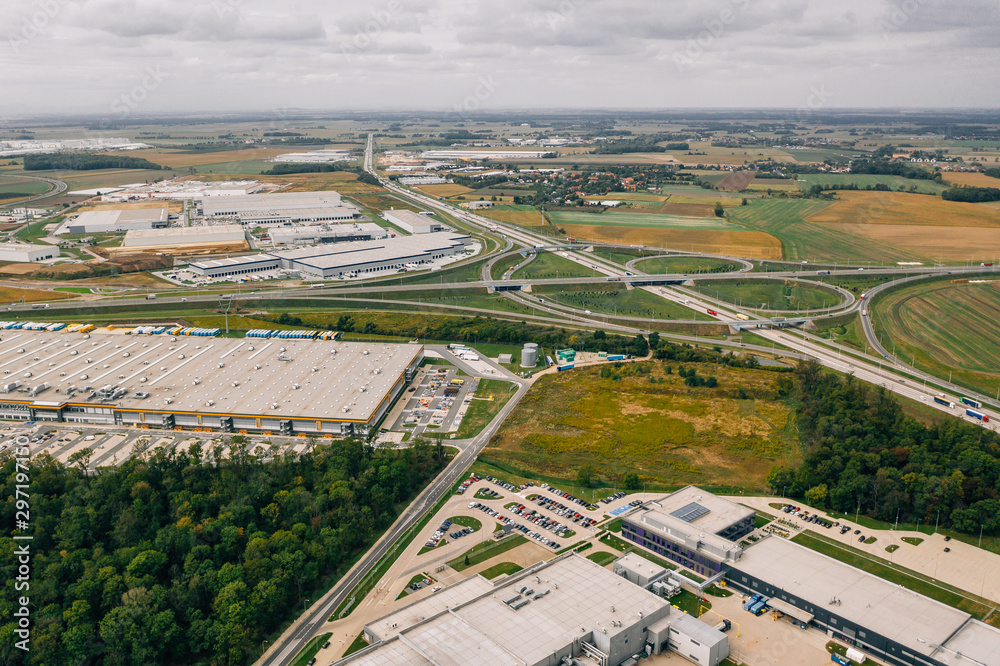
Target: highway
point(58, 187)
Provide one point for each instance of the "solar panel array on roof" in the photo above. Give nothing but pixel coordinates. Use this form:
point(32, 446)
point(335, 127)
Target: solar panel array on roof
point(690, 512)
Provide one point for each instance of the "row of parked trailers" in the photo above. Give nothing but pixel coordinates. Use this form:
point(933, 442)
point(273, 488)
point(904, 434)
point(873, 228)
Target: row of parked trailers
point(971, 407)
point(30, 326)
point(194, 331)
point(293, 335)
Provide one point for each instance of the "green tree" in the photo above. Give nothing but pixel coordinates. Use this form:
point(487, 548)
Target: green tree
point(719, 210)
point(586, 475)
point(816, 496)
point(630, 481)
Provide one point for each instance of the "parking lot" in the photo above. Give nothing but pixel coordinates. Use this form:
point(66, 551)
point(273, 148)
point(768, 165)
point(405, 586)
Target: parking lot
point(110, 446)
point(437, 402)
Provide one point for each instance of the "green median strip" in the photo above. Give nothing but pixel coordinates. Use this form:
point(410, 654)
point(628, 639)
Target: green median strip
point(310, 650)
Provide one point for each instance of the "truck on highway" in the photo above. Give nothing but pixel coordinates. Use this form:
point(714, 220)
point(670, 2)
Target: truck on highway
point(822, 272)
point(150, 297)
point(740, 315)
point(978, 415)
point(975, 404)
point(947, 403)
point(712, 312)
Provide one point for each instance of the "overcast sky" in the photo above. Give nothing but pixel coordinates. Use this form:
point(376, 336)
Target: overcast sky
point(120, 57)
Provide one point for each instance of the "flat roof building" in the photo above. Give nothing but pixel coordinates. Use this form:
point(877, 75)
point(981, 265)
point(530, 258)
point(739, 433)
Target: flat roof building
point(567, 607)
point(283, 208)
point(413, 223)
point(235, 266)
point(121, 219)
point(258, 385)
point(886, 620)
point(318, 234)
point(229, 235)
point(373, 257)
point(24, 252)
point(694, 528)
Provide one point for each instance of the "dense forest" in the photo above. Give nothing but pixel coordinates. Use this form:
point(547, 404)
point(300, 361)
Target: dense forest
point(883, 167)
point(174, 561)
point(647, 143)
point(971, 194)
point(85, 162)
point(863, 453)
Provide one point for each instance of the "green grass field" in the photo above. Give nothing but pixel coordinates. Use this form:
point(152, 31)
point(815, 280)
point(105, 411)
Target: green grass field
point(802, 240)
point(683, 264)
point(484, 551)
point(549, 265)
point(622, 255)
point(665, 431)
point(944, 328)
point(482, 410)
point(499, 569)
point(614, 298)
point(604, 558)
point(864, 181)
point(310, 650)
point(769, 294)
point(613, 218)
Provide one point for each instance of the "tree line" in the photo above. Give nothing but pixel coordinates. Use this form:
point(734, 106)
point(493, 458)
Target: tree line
point(173, 560)
point(863, 454)
point(971, 194)
point(85, 162)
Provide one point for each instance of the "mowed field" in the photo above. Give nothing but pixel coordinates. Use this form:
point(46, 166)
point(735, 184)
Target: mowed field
point(444, 190)
point(753, 244)
point(948, 328)
point(970, 179)
point(625, 218)
point(525, 216)
point(16, 295)
point(919, 226)
point(666, 432)
point(806, 181)
point(178, 159)
point(770, 294)
point(792, 223)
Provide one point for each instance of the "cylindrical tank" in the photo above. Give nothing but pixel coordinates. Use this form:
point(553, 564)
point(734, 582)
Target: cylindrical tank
point(529, 356)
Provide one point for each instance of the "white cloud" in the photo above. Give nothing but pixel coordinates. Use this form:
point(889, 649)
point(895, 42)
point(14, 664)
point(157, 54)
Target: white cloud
point(334, 54)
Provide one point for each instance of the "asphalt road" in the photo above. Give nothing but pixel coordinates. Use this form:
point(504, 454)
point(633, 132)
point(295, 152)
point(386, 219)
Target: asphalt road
point(289, 645)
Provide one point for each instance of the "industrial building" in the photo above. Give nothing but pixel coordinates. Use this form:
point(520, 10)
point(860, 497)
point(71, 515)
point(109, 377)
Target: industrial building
point(318, 234)
point(182, 189)
point(282, 209)
point(235, 266)
point(886, 620)
point(696, 529)
point(413, 223)
point(546, 614)
point(703, 532)
point(23, 252)
point(486, 154)
point(104, 221)
point(326, 155)
point(186, 239)
point(285, 386)
point(425, 179)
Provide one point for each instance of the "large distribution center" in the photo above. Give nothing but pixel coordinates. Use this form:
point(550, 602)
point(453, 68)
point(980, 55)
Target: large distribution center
point(316, 234)
point(413, 223)
point(549, 612)
point(348, 259)
point(23, 252)
point(257, 385)
point(102, 221)
point(186, 239)
point(703, 533)
point(286, 208)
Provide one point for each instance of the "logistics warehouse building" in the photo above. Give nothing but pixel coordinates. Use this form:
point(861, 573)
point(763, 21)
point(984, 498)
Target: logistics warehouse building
point(257, 385)
point(282, 209)
point(104, 221)
point(413, 223)
point(24, 252)
point(703, 532)
point(360, 258)
point(566, 608)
